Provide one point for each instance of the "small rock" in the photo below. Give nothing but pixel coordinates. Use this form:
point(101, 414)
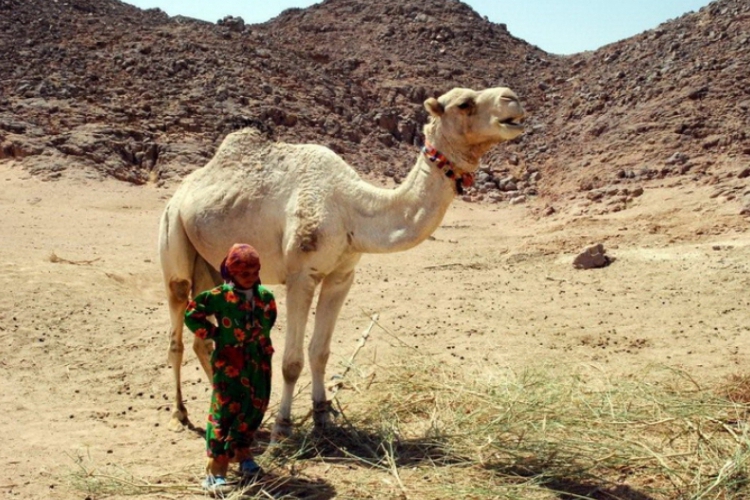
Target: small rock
point(595, 194)
point(745, 210)
point(677, 159)
point(697, 93)
point(592, 257)
point(236, 24)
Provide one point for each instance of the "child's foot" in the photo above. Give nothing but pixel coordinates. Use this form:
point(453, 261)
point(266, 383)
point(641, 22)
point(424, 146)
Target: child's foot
point(249, 468)
point(216, 485)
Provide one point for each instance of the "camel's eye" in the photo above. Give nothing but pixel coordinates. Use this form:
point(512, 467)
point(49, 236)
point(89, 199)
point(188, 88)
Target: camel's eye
point(466, 105)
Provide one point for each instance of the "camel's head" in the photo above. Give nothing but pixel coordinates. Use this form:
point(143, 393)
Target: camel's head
point(464, 118)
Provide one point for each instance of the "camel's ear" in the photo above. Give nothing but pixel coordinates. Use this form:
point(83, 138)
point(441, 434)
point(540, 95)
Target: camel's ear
point(434, 107)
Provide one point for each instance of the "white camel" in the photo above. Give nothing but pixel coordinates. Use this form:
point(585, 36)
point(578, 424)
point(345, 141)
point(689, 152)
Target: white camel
point(311, 217)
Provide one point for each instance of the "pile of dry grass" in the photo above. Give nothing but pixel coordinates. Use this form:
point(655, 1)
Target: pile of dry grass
point(425, 430)
point(539, 434)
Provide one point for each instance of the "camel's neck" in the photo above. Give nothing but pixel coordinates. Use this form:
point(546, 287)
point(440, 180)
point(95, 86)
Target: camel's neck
point(391, 220)
point(394, 220)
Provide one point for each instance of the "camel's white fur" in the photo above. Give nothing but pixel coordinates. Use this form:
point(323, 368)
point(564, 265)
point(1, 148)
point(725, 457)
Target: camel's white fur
point(311, 217)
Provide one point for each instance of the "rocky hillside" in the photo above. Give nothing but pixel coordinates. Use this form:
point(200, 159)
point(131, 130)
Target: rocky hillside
point(670, 102)
point(139, 95)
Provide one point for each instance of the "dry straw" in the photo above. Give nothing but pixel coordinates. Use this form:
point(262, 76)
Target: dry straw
point(422, 429)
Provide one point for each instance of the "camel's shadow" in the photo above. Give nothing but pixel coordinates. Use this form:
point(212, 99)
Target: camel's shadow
point(567, 488)
point(369, 449)
point(372, 448)
point(365, 447)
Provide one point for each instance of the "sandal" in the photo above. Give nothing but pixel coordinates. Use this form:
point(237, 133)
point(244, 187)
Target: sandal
point(249, 468)
point(216, 485)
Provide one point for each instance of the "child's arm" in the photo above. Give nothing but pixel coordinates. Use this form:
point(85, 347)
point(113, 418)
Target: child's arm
point(272, 311)
point(197, 313)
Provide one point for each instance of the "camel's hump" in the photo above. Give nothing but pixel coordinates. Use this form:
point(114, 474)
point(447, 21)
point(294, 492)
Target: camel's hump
point(247, 134)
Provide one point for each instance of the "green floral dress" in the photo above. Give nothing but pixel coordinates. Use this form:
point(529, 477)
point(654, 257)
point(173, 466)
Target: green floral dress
point(241, 362)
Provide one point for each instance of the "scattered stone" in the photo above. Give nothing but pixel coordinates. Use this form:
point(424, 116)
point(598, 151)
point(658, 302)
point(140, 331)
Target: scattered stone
point(236, 24)
point(592, 257)
point(698, 93)
point(677, 159)
point(745, 210)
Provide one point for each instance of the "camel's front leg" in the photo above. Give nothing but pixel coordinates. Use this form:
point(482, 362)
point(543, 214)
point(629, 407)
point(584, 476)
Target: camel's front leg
point(300, 290)
point(332, 295)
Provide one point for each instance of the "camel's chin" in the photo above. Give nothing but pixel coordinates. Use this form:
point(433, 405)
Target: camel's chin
point(509, 126)
point(509, 131)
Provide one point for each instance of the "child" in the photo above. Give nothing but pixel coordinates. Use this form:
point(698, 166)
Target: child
point(244, 311)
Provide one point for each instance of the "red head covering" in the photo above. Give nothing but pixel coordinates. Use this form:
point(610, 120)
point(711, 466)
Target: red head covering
point(241, 257)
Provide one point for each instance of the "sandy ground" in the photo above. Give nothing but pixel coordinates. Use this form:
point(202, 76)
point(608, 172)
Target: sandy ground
point(83, 320)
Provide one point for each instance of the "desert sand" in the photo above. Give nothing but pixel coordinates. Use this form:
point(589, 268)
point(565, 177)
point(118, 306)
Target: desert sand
point(84, 324)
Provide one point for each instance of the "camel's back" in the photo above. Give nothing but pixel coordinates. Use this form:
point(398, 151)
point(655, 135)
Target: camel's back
point(257, 170)
point(271, 195)
point(248, 151)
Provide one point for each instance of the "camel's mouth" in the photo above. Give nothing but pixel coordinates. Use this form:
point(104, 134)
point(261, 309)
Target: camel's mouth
point(513, 122)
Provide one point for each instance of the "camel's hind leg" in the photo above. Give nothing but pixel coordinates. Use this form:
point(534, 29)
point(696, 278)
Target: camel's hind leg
point(333, 292)
point(178, 294)
point(177, 261)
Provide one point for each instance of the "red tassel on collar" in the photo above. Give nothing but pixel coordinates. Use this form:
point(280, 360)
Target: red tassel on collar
point(462, 179)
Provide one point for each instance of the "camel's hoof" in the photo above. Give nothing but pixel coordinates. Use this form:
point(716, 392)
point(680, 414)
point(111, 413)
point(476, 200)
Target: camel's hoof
point(322, 412)
point(282, 430)
point(178, 421)
point(277, 449)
